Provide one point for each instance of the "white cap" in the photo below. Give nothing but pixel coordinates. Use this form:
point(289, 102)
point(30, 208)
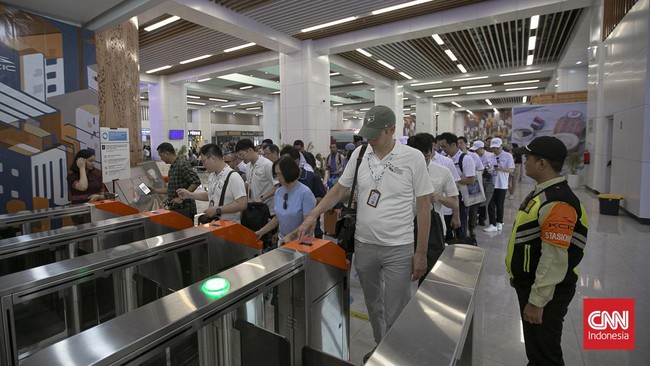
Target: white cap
point(478, 144)
point(496, 142)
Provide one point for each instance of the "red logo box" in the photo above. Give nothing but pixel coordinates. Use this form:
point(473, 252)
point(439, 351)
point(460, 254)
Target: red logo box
point(608, 324)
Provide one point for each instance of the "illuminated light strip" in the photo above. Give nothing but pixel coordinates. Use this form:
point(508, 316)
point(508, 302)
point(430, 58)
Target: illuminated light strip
point(476, 86)
point(246, 87)
point(386, 64)
point(363, 52)
point(529, 60)
point(405, 75)
point(162, 23)
point(247, 103)
point(228, 106)
point(202, 80)
point(523, 88)
point(488, 102)
point(521, 82)
point(218, 100)
point(480, 92)
point(457, 105)
point(444, 95)
point(427, 83)
point(239, 47)
point(196, 103)
point(399, 6)
point(193, 97)
point(472, 78)
point(438, 40)
point(521, 73)
point(451, 55)
point(534, 22)
point(437, 90)
point(158, 69)
point(253, 108)
point(325, 25)
point(195, 59)
point(462, 68)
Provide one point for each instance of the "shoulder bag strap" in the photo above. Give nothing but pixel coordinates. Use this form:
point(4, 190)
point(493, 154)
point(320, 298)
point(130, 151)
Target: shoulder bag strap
point(356, 171)
point(223, 190)
point(460, 162)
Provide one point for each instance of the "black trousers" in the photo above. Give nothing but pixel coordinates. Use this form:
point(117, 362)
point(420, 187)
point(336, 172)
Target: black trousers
point(544, 341)
point(496, 206)
point(436, 242)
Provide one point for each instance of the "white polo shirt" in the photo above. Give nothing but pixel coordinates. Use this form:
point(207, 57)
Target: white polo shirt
point(469, 167)
point(443, 183)
point(504, 160)
point(488, 160)
point(235, 189)
point(260, 180)
point(477, 160)
point(404, 177)
point(446, 162)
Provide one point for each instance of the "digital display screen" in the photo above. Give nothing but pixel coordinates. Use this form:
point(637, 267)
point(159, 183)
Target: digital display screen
point(176, 134)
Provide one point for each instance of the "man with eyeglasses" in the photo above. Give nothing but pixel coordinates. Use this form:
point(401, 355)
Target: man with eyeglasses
point(260, 183)
point(233, 162)
point(221, 175)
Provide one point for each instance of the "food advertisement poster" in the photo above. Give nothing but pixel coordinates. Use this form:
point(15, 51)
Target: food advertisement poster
point(567, 122)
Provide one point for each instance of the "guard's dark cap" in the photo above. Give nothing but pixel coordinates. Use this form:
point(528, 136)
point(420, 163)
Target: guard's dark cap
point(547, 147)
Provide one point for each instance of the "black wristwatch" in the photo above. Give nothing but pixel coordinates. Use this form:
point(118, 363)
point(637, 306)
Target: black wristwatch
point(218, 212)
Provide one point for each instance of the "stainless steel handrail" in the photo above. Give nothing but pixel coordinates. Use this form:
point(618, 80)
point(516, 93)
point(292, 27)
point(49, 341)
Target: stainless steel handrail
point(22, 217)
point(435, 328)
point(141, 330)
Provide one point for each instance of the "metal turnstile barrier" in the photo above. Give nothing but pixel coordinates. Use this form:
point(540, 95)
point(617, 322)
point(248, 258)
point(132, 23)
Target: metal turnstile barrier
point(312, 310)
point(47, 304)
point(37, 249)
point(99, 210)
point(435, 328)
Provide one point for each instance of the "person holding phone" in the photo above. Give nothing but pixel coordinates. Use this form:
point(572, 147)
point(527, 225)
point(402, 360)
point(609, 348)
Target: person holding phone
point(85, 181)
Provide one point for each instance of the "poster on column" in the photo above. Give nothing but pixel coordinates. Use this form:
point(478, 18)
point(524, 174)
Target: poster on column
point(566, 121)
point(115, 153)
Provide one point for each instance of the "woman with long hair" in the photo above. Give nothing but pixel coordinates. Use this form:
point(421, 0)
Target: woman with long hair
point(85, 181)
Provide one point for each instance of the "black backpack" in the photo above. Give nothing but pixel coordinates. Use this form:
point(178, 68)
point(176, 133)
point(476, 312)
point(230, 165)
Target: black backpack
point(256, 215)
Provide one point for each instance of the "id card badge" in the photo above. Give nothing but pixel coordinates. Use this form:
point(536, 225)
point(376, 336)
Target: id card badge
point(373, 198)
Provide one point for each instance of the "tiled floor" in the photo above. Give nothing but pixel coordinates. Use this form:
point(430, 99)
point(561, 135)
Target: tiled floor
point(615, 265)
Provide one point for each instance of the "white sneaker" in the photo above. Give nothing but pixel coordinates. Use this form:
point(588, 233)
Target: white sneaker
point(499, 226)
point(511, 197)
point(490, 229)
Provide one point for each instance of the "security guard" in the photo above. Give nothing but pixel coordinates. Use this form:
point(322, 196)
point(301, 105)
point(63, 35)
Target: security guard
point(546, 245)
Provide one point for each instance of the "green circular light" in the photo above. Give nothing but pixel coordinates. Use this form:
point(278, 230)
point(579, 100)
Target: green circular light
point(216, 286)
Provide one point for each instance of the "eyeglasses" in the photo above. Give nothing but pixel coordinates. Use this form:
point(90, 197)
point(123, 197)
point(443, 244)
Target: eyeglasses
point(278, 174)
point(286, 196)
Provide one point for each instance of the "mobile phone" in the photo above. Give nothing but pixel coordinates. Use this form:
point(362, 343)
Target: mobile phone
point(143, 187)
point(110, 196)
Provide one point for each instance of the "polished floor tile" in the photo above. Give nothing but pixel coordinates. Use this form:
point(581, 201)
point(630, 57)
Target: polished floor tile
point(615, 266)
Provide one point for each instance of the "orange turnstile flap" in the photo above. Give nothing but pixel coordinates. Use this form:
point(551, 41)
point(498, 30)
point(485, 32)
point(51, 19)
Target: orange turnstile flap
point(233, 232)
point(169, 218)
point(321, 250)
point(115, 207)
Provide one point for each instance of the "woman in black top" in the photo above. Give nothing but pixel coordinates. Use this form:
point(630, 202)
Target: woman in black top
point(85, 181)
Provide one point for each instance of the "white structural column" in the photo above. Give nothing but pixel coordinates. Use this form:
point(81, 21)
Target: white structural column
point(271, 119)
point(204, 125)
point(391, 96)
point(445, 119)
point(305, 98)
point(167, 111)
point(425, 115)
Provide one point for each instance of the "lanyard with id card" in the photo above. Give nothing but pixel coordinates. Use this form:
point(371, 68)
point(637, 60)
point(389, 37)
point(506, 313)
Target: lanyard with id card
point(375, 195)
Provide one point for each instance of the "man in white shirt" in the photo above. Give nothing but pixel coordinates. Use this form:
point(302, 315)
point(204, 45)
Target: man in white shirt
point(488, 161)
point(451, 216)
point(234, 199)
point(260, 183)
point(503, 167)
point(444, 193)
point(390, 176)
point(448, 142)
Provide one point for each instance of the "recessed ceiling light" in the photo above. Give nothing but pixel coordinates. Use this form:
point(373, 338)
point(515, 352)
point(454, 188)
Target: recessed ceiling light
point(218, 100)
point(456, 104)
point(522, 88)
point(534, 22)
point(364, 109)
point(427, 83)
point(480, 92)
point(451, 55)
point(476, 86)
point(520, 73)
point(470, 78)
point(202, 80)
point(276, 92)
point(438, 39)
point(194, 97)
point(194, 59)
point(437, 90)
point(386, 64)
point(461, 68)
point(162, 23)
point(529, 60)
point(158, 69)
point(329, 24)
point(399, 6)
point(405, 75)
point(335, 73)
point(246, 87)
point(337, 104)
point(247, 103)
point(405, 98)
point(228, 106)
point(444, 95)
point(468, 111)
point(495, 110)
point(531, 42)
point(521, 82)
point(578, 63)
point(525, 98)
point(239, 47)
point(196, 103)
point(358, 82)
point(253, 108)
point(142, 98)
point(364, 52)
point(488, 102)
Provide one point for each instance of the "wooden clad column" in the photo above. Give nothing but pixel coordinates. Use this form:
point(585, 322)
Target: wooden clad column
point(118, 76)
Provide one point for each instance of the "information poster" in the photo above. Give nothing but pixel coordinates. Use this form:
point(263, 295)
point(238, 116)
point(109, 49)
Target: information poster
point(115, 153)
point(565, 121)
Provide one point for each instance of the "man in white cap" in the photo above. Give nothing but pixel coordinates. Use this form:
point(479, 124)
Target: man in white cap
point(390, 175)
point(488, 161)
point(503, 166)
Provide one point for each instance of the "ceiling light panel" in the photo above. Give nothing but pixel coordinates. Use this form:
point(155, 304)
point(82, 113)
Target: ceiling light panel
point(386, 64)
point(427, 83)
point(521, 73)
point(162, 23)
point(522, 88)
point(444, 95)
point(158, 69)
point(438, 40)
point(451, 55)
point(218, 100)
point(437, 90)
point(399, 6)
point(480, 92)
point(476, 86)
point(521, 82)
point(239, 47)
point(195, 59)
point(471, 78)
point(329, 24)
point(364, 52)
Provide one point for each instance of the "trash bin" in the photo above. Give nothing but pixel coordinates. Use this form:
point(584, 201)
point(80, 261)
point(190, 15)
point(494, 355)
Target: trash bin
point(609, 203)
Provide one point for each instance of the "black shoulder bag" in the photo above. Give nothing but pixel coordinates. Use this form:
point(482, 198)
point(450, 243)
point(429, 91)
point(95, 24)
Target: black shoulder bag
point(346, 224)
point(205, 219)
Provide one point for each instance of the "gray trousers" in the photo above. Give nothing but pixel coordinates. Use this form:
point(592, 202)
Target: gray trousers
point(385, 276)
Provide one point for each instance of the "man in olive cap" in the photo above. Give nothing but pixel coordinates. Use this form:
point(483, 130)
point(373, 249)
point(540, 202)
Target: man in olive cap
point(390, 175)
point(546, 245)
